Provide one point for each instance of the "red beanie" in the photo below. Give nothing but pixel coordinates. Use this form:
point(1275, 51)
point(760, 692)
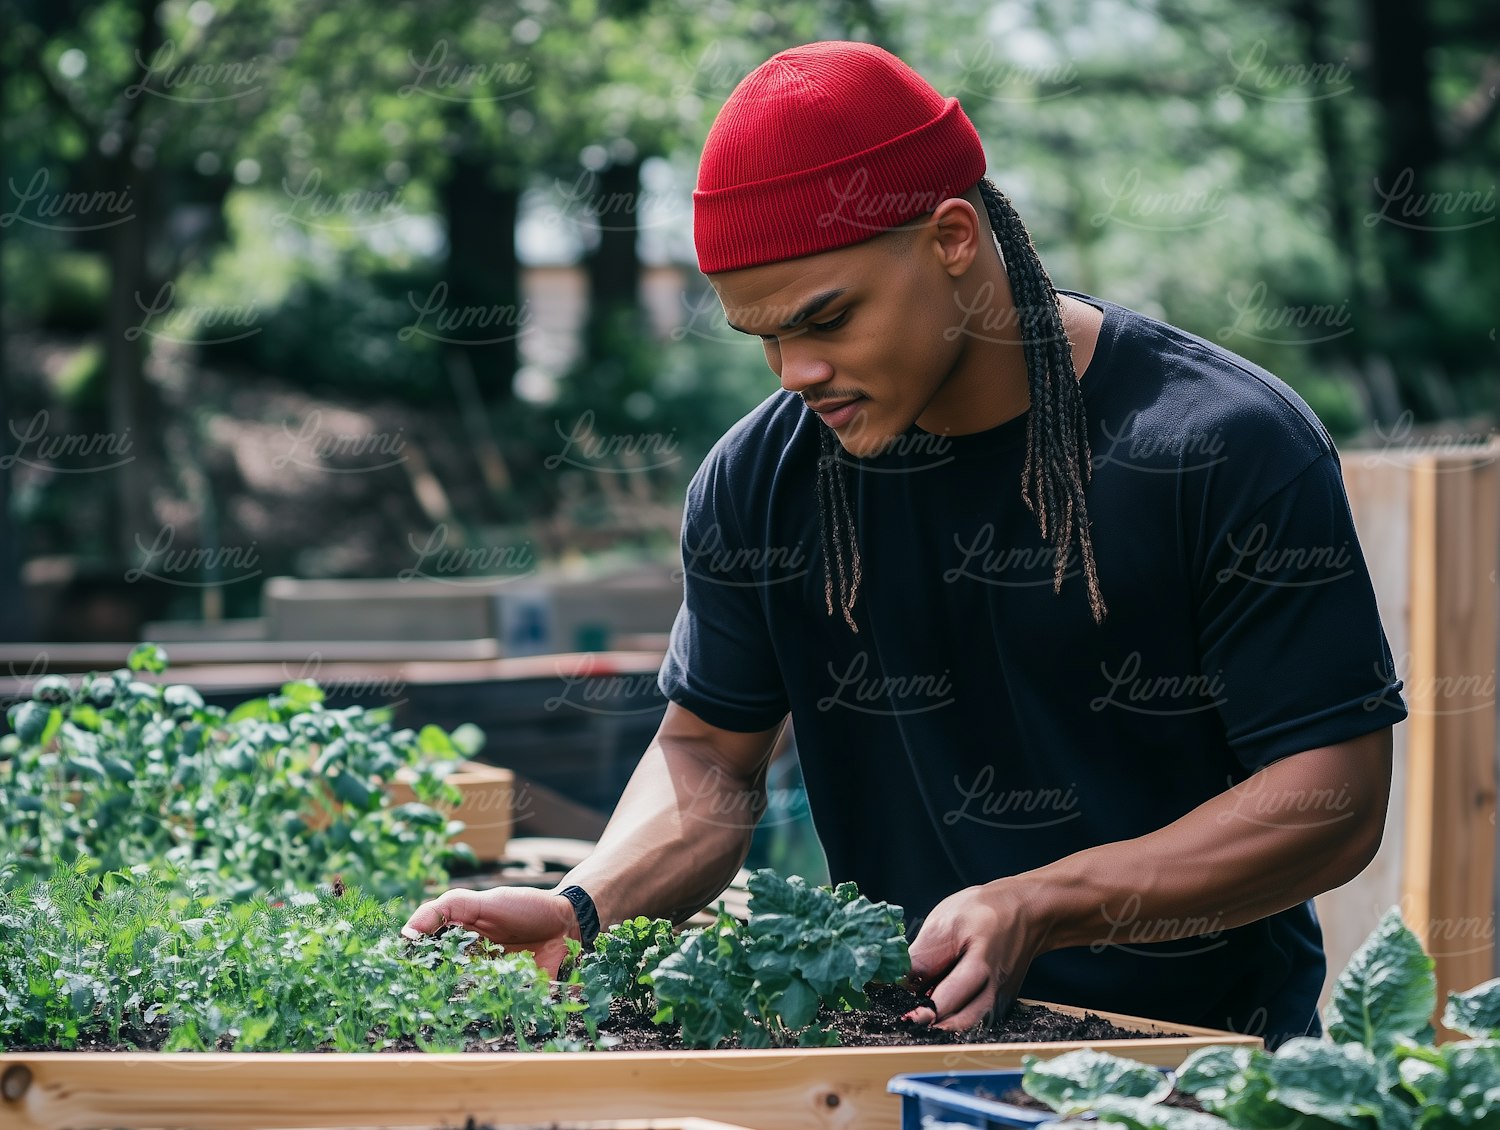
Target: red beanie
point(822, 146)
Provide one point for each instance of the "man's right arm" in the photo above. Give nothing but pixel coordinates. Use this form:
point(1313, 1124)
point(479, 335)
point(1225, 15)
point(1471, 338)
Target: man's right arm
point(681, 830)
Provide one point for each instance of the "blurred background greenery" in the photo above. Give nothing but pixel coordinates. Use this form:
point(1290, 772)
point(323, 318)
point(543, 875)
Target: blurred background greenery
point(297, 284)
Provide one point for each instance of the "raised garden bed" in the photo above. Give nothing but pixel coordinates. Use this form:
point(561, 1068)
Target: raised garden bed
point(789, 1089)
point(208, 916)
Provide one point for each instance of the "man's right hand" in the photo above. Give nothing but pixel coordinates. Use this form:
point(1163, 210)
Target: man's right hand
point(518, 918)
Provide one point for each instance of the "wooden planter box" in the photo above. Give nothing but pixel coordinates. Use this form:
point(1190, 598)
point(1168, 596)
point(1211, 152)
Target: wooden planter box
point(487, 808)
point(816, 1089)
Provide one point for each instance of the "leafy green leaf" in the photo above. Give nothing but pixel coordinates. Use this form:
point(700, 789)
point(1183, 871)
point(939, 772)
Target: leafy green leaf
point(468, 739)
point(435, 741)
point(1475, 1012)
point(797, 1004)
point(29, 720)
point(1148, 1114)
point(250, 708)
point(302, 693)
point(1209, 1073)
point(1386, 991)
point(1339, 1083)
point(1073, 1082)
point(147, 657)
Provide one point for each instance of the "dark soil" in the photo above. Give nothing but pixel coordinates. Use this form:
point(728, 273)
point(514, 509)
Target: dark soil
point(879, 1025)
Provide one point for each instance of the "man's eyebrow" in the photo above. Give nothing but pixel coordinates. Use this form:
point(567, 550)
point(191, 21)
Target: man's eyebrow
point(813, 305)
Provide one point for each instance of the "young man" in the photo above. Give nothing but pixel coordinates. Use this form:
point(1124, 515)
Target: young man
point(1066, 604)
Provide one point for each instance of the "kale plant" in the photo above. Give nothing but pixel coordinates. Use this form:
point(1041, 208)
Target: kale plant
point(805, 948)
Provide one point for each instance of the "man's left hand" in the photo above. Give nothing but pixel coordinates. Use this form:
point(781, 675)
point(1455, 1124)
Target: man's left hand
point(972, 953)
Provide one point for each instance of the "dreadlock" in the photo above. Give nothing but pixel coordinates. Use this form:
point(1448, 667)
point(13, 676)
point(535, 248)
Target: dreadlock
point(1058, 461)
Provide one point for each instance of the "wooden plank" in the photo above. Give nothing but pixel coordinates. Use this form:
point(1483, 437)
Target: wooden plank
point(487, 807)
point(1378, 484)
point(17, 659)
point(357, 665)
point(613, 1124)
point(1450, 828)
point(818, 1089)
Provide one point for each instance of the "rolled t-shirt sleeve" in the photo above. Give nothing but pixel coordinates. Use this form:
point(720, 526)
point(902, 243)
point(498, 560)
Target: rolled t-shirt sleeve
point(1288, 622)
point(720, 663)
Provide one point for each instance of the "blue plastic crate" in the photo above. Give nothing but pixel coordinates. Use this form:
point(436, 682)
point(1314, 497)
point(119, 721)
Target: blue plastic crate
point(939, 1099)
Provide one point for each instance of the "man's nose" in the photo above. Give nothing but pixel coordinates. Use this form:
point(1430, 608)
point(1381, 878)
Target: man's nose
point(801, 369)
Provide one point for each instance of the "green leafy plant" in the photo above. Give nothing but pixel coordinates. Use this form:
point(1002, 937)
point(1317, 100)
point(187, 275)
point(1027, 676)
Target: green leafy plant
point(280, 789)
point(804, 948)
point(129, 958)
point(623, 958)
point(1377, 1067)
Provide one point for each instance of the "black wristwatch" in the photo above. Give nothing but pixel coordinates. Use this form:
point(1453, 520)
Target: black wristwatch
point(587, 914)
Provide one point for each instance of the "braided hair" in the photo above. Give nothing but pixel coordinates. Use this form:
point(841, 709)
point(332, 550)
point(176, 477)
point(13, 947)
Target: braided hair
point(1058, 461)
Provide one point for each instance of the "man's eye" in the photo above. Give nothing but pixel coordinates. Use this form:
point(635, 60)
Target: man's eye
point(831, 324)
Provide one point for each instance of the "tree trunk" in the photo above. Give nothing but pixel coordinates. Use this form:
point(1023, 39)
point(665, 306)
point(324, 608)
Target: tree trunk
point(1339, 178)
point(125, 356)
point(614, 267)
point(483, 275)
point(1401, 81)
point(14, 621)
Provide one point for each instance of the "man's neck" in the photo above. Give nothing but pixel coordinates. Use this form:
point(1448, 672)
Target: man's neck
point(989, 386)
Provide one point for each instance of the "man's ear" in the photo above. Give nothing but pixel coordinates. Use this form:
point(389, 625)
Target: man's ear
point(955, 233)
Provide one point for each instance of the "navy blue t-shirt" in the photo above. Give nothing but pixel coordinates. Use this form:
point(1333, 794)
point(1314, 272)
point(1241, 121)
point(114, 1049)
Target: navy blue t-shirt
point(979, 725)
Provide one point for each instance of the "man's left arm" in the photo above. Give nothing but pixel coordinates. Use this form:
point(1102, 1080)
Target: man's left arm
point(1300, 826)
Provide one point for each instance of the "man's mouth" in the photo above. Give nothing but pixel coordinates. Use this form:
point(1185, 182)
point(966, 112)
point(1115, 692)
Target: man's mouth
point(836, 413)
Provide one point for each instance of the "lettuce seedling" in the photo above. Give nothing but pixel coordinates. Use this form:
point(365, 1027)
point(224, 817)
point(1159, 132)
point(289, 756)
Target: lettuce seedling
point(805, 948)
point(619, 967)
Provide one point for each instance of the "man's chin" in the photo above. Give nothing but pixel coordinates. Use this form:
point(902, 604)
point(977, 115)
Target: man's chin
point(861, 440)
point(863, 443)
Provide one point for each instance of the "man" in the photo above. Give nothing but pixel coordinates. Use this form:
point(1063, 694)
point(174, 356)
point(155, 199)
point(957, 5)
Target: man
point(1104, 736)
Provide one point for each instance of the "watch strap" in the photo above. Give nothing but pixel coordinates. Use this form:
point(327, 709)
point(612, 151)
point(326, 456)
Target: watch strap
point(586, 913)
